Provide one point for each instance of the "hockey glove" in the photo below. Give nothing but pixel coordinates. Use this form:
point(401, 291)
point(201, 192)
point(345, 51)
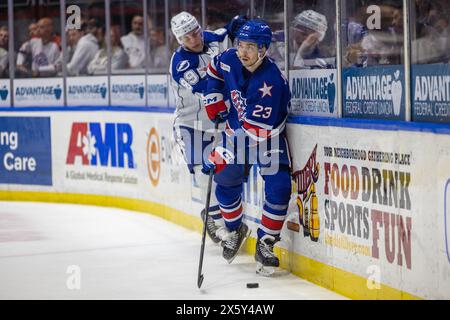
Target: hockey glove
point(215, 107)
point(218, 160)
point(234, 25)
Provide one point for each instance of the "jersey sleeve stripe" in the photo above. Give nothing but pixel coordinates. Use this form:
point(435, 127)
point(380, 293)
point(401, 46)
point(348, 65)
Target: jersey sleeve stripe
point(213, 72)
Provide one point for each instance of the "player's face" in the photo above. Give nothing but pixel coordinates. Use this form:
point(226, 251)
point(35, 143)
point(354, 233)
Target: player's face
point(193, 40)
point(248, 53)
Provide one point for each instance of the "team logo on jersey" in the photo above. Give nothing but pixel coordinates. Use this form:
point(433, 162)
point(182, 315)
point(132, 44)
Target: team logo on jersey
point(225, 67)
point(41, 59)
point(266, 90)
point(183, 65)
point(239, 103)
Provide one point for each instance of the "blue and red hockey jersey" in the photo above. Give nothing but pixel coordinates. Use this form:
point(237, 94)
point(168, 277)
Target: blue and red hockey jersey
point(260, 100)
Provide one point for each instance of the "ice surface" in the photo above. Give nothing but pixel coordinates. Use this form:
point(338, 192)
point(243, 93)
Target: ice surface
point(47, 251)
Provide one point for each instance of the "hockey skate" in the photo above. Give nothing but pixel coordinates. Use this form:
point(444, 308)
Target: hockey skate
point(234, 241)
point(267, 263)
point(211, 227)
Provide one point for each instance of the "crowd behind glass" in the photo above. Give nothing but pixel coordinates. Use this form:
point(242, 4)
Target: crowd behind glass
point(137, 47)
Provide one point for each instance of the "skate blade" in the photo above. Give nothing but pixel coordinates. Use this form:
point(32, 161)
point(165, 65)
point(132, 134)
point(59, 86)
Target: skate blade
point(270, 272)
point(242, 243)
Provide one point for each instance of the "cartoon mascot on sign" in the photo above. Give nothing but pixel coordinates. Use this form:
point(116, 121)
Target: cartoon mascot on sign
point(306, 180)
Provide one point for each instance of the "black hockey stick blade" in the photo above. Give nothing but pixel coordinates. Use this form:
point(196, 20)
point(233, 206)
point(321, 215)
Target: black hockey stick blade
point(200, 281)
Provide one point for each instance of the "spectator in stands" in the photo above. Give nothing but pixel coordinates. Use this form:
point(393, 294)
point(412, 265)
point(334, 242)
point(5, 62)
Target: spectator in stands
point(99, 65)
point(354, 31)
point(366, 46)
point(44, 51)
point(385, 46)
point(134, 43)
point(430, 43)
point(73, 37)
point(158, 50)
point(4, 72)
point(4, 52)
point(33, 30)
point(86, 48)
point(308, 31)
point(442, 25)
point(277, 48)
point(423, 7)
point(4, 37)
point(355, 28)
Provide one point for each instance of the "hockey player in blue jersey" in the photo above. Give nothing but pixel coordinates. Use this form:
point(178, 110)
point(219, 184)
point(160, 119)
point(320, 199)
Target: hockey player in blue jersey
point(255, 132)
point(189, 80)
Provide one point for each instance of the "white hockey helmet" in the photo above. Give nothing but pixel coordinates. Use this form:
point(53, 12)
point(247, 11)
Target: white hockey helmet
point(183, 23)
point(312, 20)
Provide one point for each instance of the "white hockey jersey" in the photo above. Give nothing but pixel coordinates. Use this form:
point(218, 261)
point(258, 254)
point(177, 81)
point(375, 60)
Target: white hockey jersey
point(188, 72)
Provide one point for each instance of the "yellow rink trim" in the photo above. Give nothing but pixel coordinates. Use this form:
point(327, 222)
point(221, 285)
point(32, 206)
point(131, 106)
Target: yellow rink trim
point(332, 278)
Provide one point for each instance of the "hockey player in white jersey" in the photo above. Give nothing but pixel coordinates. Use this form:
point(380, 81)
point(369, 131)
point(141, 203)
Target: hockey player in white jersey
point(188, 70)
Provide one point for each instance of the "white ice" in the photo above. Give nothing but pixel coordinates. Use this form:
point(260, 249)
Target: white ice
point(60, 251)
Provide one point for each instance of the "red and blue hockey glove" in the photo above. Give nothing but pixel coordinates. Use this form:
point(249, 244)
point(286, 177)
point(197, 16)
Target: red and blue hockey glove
point(218, 160)
point(215, 107)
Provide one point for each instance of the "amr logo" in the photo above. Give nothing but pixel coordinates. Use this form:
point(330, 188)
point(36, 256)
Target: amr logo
point(307, 201)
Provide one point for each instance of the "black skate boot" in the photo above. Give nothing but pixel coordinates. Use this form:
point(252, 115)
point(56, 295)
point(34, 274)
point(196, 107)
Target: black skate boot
point(266, 260)
point(211, 227)
point(234, 242)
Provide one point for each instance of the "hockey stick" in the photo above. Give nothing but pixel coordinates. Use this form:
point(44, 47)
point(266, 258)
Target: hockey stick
point(200, 276)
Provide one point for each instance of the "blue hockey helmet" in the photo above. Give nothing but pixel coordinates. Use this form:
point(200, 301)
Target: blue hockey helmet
point(257, 32)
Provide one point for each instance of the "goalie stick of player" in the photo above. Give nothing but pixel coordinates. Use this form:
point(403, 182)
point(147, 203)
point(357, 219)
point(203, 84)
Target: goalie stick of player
point(188, 80)
point(255, 132)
